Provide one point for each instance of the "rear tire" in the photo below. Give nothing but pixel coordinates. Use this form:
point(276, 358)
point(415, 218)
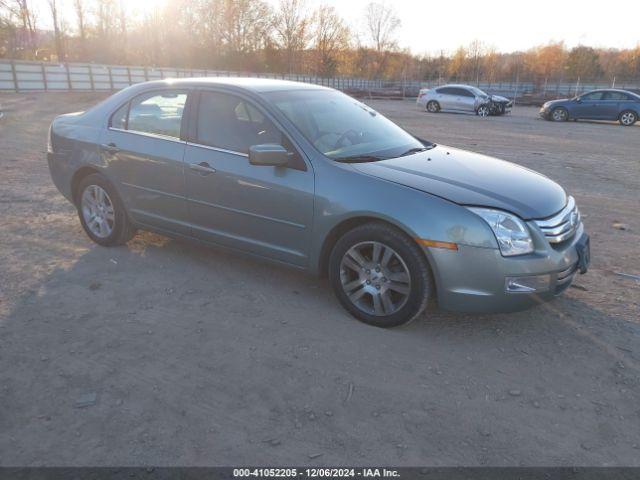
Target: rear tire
point(101, 212)
point(433, 106)
point(559, 114)
point(380, 275)
point(628, 118)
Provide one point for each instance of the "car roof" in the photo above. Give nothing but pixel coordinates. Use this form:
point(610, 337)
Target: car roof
point(457, 85)
point(620, 90)
point(258, 85)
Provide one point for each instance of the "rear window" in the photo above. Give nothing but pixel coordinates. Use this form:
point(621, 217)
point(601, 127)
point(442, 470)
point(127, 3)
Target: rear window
point(157, 113)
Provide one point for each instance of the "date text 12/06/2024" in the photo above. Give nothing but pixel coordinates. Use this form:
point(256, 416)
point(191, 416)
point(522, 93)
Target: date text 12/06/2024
point(315, 473)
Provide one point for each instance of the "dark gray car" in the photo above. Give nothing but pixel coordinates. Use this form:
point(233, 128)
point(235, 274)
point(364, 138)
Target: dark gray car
point(309, 177)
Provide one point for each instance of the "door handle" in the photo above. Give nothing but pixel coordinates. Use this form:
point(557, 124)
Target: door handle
point(110, 148)
point(202, 168)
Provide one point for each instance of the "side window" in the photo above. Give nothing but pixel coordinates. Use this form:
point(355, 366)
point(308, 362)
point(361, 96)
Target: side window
point(592, 97)
point(446, 91)
point(231, 123)
point(466, 93)
point(460, 92)
point(119, 119)
point(619, 96)
point(157, 113)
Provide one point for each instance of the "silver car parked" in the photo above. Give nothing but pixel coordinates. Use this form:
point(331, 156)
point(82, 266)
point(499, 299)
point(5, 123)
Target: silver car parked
point(462, 98)
point(308, 177)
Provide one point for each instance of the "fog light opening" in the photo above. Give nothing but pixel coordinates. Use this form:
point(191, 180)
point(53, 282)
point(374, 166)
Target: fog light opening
point(528, 284)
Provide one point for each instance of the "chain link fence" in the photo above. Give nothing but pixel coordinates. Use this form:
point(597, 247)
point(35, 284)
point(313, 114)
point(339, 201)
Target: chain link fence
point(25, 76)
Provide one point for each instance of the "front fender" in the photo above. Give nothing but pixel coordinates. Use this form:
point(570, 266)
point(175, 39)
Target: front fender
point(344, 194)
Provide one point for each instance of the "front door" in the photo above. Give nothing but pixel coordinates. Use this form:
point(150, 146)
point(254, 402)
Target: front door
point(590, 106)
point(465, 100)
point(259, 209)
point(144, 154)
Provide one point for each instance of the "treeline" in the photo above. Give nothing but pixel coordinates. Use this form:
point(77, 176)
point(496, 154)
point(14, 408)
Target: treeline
point(253, 36)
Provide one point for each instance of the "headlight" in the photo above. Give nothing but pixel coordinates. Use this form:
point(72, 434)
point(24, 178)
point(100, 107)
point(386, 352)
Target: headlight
point(511, 232)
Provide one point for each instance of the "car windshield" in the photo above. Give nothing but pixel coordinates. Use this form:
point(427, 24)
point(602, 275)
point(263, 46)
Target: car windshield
point(343, 128)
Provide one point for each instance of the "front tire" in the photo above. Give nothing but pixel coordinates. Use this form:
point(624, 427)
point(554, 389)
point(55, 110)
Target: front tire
point(628, 118)
point(559, 114)
point(101, 212)
point(433, 106)
point(380, 275)
point(483, 111)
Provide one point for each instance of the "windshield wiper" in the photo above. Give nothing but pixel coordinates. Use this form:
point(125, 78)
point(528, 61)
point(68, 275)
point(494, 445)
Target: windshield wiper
point(411, 151)
point(359, 159)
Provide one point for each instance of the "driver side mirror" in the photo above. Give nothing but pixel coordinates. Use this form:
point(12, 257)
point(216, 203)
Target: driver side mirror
point(268, 155)
point(578, 99)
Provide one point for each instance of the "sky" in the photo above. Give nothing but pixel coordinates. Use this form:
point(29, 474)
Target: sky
point(432, 26)
point(429, 26)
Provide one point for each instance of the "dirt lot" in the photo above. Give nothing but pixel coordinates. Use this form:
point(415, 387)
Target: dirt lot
point(166, 353)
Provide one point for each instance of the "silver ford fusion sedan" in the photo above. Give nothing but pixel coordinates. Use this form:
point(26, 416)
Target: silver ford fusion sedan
point(309, 177)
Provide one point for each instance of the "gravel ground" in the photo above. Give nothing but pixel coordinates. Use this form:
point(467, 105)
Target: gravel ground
point(167, 353)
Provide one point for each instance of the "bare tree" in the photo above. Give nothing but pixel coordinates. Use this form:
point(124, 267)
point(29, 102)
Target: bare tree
point(244, 26)
point(382, 23)
point(57, 29)
point(81, 14)
point(27, 18)
point(475, 53)
point(330, 37)
point(292, 29)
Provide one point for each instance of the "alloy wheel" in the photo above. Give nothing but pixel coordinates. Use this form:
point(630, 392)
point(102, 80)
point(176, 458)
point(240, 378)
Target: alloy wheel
point(483, 111)
point(97, 211)
point(375, 278)
point(559, 115)
point(627, 118)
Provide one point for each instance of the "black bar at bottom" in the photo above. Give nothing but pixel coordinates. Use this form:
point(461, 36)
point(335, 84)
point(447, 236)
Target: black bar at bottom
point(243, 472)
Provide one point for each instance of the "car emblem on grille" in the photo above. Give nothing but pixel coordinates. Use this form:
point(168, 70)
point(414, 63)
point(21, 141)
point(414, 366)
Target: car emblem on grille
point(573, 219)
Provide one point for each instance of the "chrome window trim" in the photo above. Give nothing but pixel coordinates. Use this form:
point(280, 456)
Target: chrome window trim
point(148, 134)
point(216, 149)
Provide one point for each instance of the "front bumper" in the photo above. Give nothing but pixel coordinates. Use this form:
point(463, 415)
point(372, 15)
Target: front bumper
point(474, 279)
point(544, 113)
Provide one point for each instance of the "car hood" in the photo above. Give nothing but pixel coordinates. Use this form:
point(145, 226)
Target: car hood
point(469, 178)
point(499, 98)
point(559, 101)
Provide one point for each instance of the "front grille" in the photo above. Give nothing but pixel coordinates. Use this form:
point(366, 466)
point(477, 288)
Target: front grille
point(562, 225)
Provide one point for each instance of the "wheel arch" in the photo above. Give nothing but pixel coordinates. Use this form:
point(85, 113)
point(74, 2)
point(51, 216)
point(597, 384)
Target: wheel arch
point(561, 107)
point(77, 177)
point(433, 100)
point(633, 110)
point(350, 223)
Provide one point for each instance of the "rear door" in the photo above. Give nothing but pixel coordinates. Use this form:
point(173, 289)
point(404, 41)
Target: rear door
point(264, 210)
point(612, 104)
point(446, 99)
point(144, 152)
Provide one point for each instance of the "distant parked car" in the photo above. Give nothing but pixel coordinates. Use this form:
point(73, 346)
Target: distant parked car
point(611, 104)
point(462, 98)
